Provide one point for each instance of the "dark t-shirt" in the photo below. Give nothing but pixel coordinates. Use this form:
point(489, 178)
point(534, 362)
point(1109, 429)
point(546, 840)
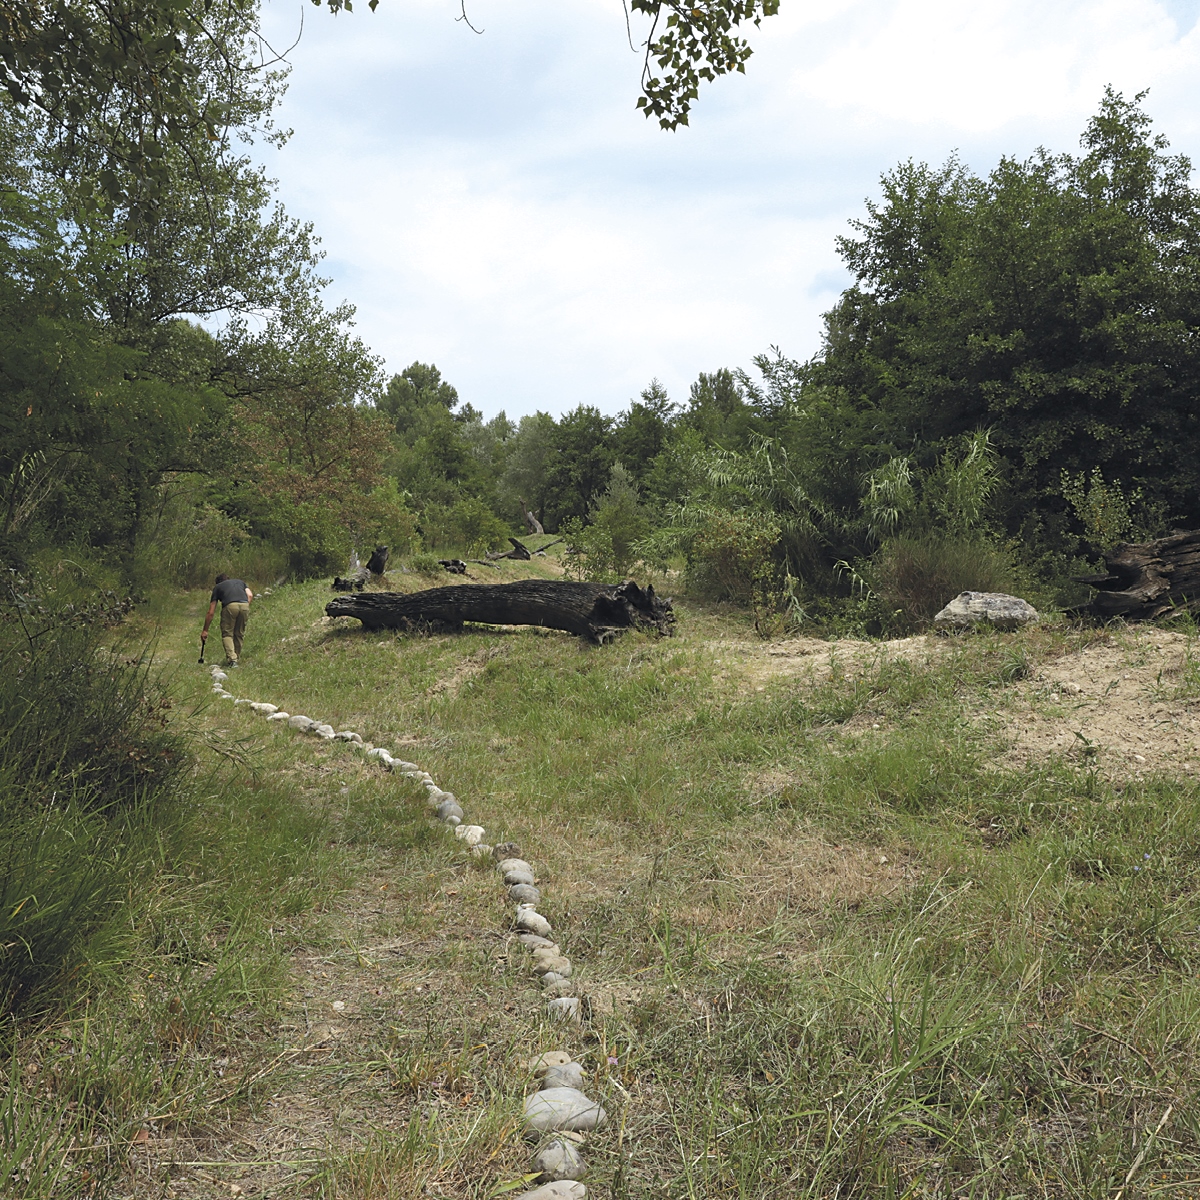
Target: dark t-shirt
point(232, 591)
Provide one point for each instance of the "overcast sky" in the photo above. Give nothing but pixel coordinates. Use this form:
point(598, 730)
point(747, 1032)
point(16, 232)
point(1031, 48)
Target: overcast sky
point(495, 205)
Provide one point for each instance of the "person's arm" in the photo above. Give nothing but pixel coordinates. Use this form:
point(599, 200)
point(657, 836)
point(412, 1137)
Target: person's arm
point(249, 596)
point(212, 608)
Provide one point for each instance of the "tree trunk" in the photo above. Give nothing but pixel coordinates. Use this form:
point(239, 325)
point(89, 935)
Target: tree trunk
point(1148, 579)
point(535, 526)
point(595, 611)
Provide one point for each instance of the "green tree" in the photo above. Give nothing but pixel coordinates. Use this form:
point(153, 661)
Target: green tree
point(524, 485)
point(642, 433)
point(1055, 301)
point(417, 387)
point(717, 409)
point(578, 468)
point(307, 445)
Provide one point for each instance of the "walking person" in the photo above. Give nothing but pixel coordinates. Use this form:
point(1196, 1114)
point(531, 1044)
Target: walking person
point(234, 597)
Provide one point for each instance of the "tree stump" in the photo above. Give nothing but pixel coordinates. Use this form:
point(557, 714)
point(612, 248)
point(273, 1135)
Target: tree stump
point(1148, 579)
point(595, 611)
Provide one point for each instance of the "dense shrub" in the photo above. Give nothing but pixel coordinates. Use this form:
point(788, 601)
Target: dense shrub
point(85, 758)
point(729, 554)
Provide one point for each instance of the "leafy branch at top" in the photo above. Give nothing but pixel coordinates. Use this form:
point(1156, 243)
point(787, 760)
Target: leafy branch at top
point(698, 42)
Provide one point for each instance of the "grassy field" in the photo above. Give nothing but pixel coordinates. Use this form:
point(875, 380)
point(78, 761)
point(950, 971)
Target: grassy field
point(837, 938)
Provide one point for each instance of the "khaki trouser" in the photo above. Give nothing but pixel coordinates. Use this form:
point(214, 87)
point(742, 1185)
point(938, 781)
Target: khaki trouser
point(233, 629)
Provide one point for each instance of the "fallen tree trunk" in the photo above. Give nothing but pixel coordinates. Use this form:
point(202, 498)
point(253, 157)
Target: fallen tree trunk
point(1148, 579)
point(596, 611)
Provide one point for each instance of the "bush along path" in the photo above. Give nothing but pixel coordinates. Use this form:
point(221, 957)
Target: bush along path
point(558, 1116)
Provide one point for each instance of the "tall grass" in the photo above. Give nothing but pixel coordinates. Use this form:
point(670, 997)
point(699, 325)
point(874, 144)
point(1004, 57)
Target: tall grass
point(916, 576)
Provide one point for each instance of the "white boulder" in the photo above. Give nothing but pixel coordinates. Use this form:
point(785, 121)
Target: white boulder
point(996, 609)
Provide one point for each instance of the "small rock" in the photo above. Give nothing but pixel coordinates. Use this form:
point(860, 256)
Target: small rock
point(471, 834)
point(240, 701)
point(219, 676)
point(567, 1189)
point(552, 1058)
point(435, 794)
point(883, 859)
point(513, 864)
point(264, 708)
point(1071, 689)
point(565, 1008)
point(378, 752)
point(226, 695)
point(301, 722)
point(537, 942)
point(547, 960)
point(559, 1159)
point(562, 1108)
point(481, 850)
point(448, 809)
point(506, 850)
point(514, 877)
point(524, 893)
point(567, 1075)
point(552, 977)
point(347, 735)
point(323, 731)
point(532, 921)
point(406, 767)
point(557, 990)
point(986, 608)
point(278, 716)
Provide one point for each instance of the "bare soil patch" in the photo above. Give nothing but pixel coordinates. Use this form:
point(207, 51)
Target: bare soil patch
point(1117, 705)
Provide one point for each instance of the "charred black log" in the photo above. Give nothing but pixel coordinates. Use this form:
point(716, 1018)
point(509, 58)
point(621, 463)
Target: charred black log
point(519, 551)
point(596, 611)
point(354, 582)
point(377, 563)
point(1148, 579)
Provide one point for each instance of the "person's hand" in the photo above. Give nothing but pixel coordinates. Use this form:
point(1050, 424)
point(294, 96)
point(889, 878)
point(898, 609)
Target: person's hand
point(204, 635)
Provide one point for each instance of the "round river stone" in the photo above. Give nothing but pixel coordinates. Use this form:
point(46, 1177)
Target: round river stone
point(562, 1108)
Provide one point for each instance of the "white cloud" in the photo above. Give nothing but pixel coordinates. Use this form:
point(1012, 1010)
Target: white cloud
point(495, 204)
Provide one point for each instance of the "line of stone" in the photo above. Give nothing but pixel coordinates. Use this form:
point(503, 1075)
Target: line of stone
point(559, 1107)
